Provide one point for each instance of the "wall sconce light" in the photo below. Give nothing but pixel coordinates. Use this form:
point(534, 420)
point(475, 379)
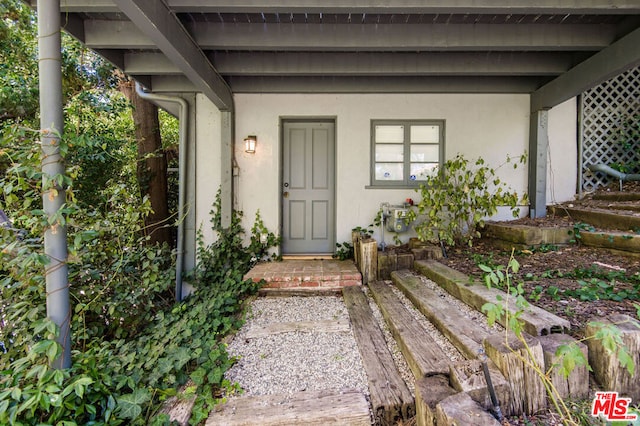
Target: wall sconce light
point(250, 143)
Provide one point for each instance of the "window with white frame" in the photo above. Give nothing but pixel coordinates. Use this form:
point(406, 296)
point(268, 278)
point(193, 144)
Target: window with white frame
point(405, 152)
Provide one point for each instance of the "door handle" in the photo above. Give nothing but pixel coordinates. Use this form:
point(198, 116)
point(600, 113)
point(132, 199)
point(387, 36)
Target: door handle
point(285, 194)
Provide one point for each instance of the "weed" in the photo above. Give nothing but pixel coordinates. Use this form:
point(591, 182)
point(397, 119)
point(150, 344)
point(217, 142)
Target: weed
point(553, 292)
point(597, 289)
point(508, 311)
point(344, 251)
point(577, 228)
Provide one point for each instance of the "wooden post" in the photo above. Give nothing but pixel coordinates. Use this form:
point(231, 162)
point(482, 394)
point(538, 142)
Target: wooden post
point(607, 369)
point(369, 260)
point(528, 394)
point(460, 409)
point(468, 377)
point(429, 392)
point(577, 384)
point(355, 241)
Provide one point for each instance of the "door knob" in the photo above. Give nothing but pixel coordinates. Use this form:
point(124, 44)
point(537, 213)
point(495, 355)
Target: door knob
point(285, 194)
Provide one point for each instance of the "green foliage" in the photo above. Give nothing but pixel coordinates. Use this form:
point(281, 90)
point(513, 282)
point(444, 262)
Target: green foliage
point(132, 353)
point(456, 200)
point(19, 66)
point(99, 142)
point(577, 228)
point(344, 251)
point(508, 311)
point(597, 289)
point(227, 257)
point(626, 139)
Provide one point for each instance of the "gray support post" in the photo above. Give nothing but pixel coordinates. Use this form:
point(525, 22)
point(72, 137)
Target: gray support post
point(53, 197)
point(226, 156)
point(538, 148)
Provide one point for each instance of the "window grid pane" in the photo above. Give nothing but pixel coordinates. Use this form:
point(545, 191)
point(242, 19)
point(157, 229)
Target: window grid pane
point(425, 153)
point(390, 171)
point(389, 134)
point(425, 133)
point(420, 171)
point(387, 152)
point(405, 152)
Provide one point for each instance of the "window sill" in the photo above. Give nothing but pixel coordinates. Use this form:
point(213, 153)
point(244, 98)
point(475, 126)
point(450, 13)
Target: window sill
point(413, 187)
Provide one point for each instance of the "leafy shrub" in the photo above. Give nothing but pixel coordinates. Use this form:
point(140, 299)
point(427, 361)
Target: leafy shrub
point(456, 200)
point(131, 346)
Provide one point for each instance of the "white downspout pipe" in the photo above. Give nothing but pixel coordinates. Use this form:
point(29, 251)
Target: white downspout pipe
point(182, 172)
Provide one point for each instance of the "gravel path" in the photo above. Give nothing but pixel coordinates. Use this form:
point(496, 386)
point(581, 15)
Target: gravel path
point(290, 362)
point(286, 363)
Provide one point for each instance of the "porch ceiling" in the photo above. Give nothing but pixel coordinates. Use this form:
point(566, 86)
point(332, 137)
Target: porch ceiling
point(551, 49)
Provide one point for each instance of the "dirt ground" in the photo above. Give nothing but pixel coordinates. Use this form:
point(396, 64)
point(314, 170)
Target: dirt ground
point(551, 275)
point(542, 271)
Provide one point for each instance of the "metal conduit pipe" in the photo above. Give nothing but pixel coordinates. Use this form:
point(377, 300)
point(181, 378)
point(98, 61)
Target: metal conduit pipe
point(614, 173)
point(182, 167)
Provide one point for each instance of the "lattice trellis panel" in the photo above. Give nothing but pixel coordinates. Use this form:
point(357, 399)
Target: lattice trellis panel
point(611, 128)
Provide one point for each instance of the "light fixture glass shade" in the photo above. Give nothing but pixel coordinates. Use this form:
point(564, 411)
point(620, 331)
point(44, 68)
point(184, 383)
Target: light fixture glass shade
point(250, 144)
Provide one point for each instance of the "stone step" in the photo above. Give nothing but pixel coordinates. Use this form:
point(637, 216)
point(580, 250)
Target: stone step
point(302, 408)
point(390, 397)
point(423, 354)
point(537, 321)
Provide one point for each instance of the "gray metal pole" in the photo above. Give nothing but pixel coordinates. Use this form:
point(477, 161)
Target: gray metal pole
point(53, 197)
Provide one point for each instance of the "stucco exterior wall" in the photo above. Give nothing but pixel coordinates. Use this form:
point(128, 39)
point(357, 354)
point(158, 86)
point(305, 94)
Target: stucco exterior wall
point(207, 162)
point(480, 125)
point(562, 159)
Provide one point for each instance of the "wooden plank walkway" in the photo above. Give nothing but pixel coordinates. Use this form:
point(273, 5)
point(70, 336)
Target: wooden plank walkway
point(326, 326)
point(423, 354)
point(390, 398)
point(303, 408)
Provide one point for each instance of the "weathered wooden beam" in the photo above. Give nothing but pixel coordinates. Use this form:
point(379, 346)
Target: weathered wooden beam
point(323, 326)
point(460, 409)
point(302, 408)
point(607, 369)
point(422, 353)
point(468, 377)
point(576, 385)
point(390, 396)
point(466, 336)
point(368, 259)
point(536, 321)
point(429, 392)
point(516, 360)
